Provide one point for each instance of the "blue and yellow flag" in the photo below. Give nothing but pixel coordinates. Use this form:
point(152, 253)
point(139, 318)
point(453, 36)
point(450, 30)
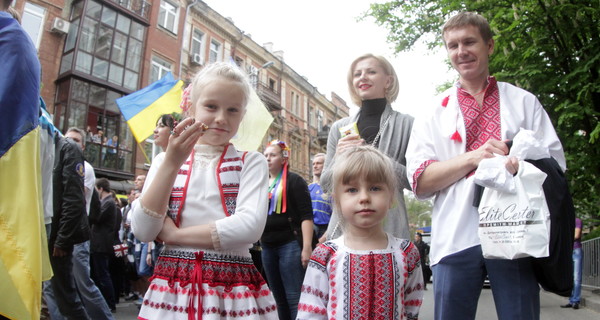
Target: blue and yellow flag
point(254, 125)
point(142, 108)
point(23, 248)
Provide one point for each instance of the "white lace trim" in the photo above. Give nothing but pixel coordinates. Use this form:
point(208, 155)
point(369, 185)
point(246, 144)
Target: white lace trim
point(205, 156)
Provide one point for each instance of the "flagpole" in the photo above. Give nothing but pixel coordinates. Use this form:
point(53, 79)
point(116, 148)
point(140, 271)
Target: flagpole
point(144, 152)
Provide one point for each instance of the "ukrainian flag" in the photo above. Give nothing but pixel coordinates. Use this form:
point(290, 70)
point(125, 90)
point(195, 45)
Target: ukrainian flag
point(23, 247)
point(142, 108)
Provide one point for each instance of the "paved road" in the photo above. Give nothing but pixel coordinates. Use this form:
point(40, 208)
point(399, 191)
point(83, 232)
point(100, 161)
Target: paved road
point(549, 305)
point(550, 309)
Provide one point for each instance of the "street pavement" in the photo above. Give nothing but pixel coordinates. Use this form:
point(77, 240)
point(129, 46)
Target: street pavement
point(550, 308)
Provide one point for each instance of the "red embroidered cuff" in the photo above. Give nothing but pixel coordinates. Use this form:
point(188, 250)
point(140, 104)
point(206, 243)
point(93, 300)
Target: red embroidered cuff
point(419, 171)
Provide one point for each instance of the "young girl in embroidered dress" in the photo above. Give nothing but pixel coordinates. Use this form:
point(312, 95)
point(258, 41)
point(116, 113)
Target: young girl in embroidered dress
point(207, 202)
point(366, 273)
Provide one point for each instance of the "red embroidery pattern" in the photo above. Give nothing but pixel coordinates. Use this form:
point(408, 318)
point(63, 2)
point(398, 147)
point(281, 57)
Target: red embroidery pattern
point(481, 124)
point(419, 171)
point(220, 275)
point(177, 266)
point(371, 286)
point(229, 171)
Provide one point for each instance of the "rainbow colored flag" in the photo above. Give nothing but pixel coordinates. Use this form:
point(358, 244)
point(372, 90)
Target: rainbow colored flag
point(142, 108)
point(24, 261)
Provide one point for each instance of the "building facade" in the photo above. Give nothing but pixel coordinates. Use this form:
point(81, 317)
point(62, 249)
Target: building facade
point(95, 51)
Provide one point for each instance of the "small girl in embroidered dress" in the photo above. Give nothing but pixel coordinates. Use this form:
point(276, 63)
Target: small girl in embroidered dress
point(207, 202)
point(366, 273)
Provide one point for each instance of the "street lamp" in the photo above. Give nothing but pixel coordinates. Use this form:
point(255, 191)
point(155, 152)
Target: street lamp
point(266, 65)
point(255, 78)
point(419, 218)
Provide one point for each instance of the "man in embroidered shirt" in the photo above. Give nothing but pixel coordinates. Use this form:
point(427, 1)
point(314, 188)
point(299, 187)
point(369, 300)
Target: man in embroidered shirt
point(473, 121)
point(321, 204)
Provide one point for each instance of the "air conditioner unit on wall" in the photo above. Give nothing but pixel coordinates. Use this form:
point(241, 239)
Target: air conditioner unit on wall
point(197, 59)
point(60, 26)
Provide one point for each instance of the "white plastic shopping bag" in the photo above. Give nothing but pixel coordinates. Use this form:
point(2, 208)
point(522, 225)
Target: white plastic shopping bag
point(516, 225)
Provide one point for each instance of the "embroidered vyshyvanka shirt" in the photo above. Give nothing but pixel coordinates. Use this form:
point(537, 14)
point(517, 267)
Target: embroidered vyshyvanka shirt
point(342, 283)
point(454, 128)
point(210, 284)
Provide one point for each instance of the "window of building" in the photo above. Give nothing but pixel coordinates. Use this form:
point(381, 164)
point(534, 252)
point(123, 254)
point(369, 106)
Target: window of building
point(33, 22)
point(320, 120)
point(312, 119)
point(109, 45)
point(168, 15)
point(159, 69)
point(197, 43)
point(272, 84)
point(93, 108)
point(215, 51)
point(295, 104)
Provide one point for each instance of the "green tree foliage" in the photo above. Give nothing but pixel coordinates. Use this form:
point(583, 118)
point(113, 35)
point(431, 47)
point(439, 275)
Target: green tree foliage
point(548, 47)
point(419, 212)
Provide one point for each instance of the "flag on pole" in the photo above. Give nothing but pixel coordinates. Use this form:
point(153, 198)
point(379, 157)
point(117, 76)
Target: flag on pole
point(255, 124)
point(142, 108)
point(23, 248)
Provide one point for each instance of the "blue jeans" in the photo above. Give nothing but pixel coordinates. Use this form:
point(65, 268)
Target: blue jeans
point(458, 279)
point(577, 268)
point(64, 289)
point(90, 295)
point(285, 274)
point(92, 298)
point(145, 270)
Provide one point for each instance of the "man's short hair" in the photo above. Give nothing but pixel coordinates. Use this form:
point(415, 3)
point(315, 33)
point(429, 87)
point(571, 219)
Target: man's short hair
point(319, 155)
point(469, 19)
point(103, 183)
point(81, 133)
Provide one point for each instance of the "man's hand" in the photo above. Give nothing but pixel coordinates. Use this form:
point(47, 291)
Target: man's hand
point(512, 165)
point(488, 149)
point(58, 252)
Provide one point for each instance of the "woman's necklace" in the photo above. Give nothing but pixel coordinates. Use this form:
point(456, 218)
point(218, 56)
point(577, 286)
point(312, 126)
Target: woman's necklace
point(385, 123)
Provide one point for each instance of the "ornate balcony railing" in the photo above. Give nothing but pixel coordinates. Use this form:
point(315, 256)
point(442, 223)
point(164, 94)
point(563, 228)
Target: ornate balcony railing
point(269, 96)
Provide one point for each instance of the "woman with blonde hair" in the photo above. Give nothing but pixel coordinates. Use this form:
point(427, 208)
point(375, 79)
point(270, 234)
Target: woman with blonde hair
point(373, 86)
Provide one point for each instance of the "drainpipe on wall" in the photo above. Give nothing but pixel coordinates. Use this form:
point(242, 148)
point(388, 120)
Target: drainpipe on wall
point(187, 11)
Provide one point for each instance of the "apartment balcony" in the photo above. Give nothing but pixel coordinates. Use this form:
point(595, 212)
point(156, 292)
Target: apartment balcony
point(140, 8)
point(323, 134)
point(270, 96)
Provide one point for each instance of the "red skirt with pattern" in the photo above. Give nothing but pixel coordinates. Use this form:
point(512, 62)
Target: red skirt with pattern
point(190, 284)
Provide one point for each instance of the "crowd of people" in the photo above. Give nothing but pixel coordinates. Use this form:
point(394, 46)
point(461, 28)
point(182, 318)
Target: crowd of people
point(338, 247)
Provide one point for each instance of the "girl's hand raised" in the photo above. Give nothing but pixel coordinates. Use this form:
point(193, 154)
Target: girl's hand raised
point(182, 140)
point(349, 141)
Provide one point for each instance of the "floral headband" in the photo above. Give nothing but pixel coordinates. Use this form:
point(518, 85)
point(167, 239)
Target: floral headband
point(285, 150)
point(186, 103)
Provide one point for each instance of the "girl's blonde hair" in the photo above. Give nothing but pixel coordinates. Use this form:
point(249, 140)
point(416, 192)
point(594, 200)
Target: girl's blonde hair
point(391, 93)
point(363, 162)
point(214, 71)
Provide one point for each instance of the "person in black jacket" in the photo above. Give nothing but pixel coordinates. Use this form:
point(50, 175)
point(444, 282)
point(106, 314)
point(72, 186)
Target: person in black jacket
point(424, 253)
point(104, 226)
point(288, 236)
point(69, 225)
